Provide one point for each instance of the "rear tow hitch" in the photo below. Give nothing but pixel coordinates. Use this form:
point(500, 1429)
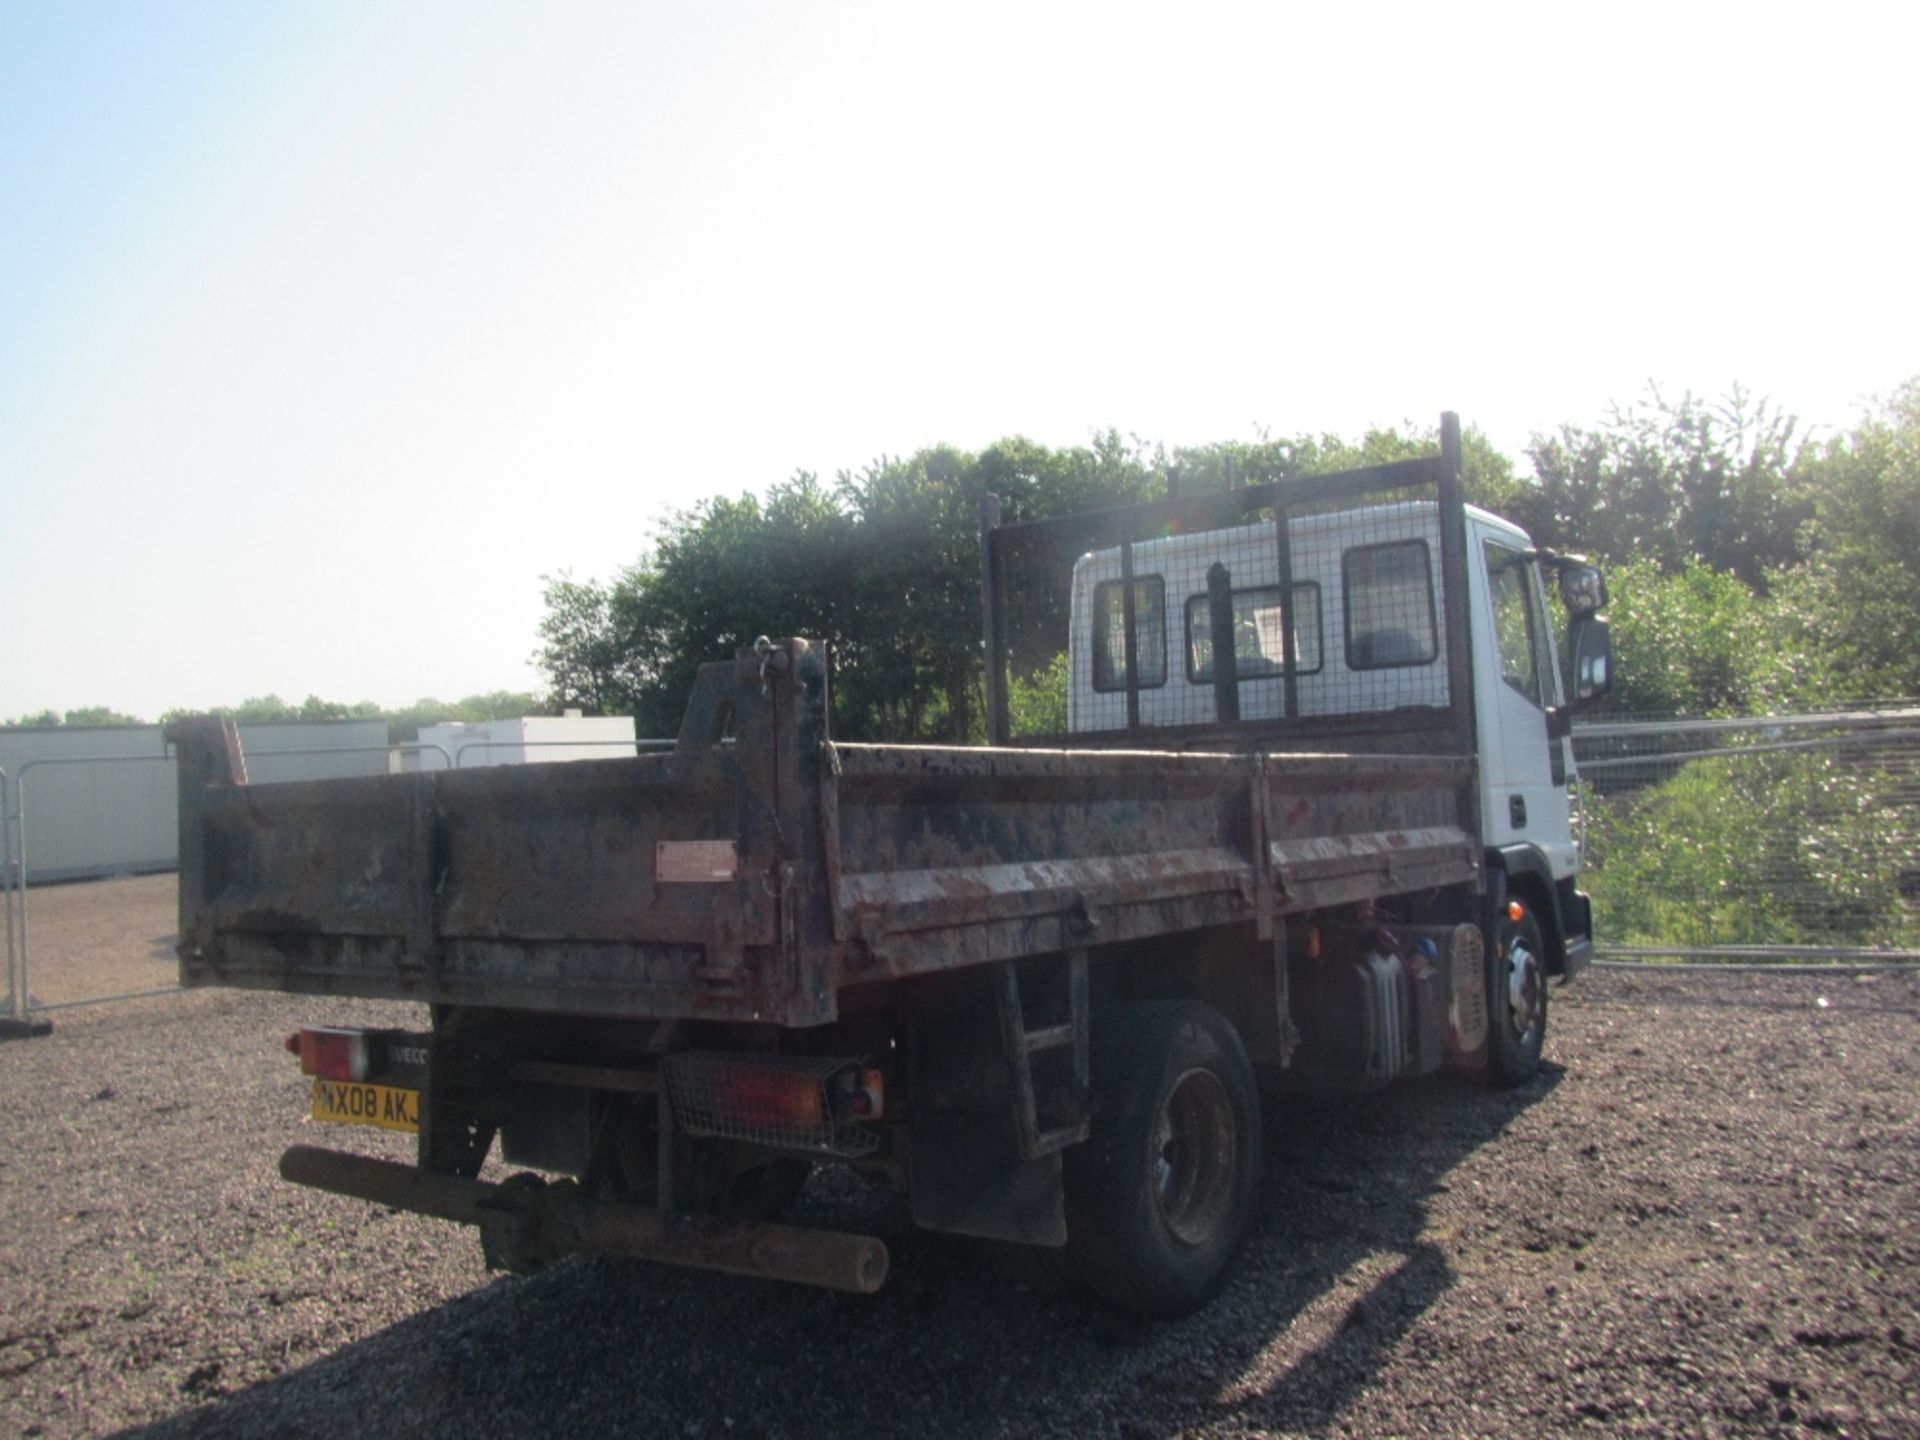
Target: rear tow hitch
point(526, 1222)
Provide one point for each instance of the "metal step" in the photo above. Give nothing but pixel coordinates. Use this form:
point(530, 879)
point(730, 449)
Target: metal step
point(1022, 1044)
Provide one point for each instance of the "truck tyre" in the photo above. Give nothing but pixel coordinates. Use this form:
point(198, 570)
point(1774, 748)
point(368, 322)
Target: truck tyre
point(1516, 999)
point(1159, 1195)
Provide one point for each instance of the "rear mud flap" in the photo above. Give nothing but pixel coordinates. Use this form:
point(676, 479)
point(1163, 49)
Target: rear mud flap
point(969, 1178)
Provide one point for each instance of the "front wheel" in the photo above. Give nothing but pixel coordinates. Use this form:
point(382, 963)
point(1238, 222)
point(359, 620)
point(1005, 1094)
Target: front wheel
point(1159, 1196)
point(1516, 998)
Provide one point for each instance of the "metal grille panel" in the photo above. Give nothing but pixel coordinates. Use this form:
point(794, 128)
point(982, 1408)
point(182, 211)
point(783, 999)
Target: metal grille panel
point(748, 1097)
point(1768, 837)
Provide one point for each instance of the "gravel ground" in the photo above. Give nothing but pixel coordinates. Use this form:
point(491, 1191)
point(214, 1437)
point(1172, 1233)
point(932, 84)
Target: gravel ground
point(1700, 1219)
point(109, 938)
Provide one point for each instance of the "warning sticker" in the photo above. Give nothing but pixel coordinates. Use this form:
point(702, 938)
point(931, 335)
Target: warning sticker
point(696, 862)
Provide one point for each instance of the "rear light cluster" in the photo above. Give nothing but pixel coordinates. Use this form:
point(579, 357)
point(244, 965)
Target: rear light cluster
point(790, 1102)
point(793, 1102)
point(333, 1054)
point(755, 1099)
point(860, 1095)
point(758, 1098)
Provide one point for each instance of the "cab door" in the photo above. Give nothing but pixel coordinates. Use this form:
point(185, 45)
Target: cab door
point(1525, 776)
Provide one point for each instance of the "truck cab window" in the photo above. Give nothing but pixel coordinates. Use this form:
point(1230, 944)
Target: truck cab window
point(1259, 643)
point(1514, 633)
point(1389, 606)
point(1110, 633)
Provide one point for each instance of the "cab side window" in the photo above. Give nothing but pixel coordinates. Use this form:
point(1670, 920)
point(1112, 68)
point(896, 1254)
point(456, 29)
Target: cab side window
point(1515, 635)
point(1259, 625)
point(1389, 606)
point(1149, 633)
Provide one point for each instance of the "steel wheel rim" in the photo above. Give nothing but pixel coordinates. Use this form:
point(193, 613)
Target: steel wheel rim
point(1196, 1146)
point(1525, 989)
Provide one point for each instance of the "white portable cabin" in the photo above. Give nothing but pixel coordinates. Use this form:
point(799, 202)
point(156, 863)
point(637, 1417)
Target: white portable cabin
point(103, 800)
point(522, 740)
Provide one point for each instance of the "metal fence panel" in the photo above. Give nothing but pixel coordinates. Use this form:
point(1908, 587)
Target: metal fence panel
point(56, 798)
point(1776, 838)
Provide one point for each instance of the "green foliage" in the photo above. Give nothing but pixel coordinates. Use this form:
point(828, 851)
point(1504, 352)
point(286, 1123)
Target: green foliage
point(271, 710)
point(1676, 482)
point(1748, 574)
point(99, 715)
point(1770, 849)
point(405, 723)
point(579, 651)
point(86, 715)
point(402, 724)
point(1695, 641)
point(1855, 603)
point(1037, 702)
point(882, 567)
point(1749, 570)
point(1486, 475)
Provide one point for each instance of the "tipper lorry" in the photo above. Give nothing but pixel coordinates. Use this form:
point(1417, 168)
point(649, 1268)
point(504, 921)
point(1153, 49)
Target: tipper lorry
point(1276, 796)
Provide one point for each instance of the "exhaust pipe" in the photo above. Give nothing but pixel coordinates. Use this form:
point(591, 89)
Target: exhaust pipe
point(525, 1221)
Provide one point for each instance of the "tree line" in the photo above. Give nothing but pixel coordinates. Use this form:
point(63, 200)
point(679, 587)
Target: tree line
point(1752, 567)
point(402, 724)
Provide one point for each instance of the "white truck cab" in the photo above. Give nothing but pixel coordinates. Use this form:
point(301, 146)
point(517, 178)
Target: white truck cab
point(1367, 614)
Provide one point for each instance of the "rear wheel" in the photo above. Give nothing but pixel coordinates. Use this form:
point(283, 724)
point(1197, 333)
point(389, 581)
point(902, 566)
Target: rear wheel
point(1159, 1196)
point(1516, 999)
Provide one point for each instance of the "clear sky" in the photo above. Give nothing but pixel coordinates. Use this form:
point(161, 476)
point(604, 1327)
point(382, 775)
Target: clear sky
point(327, 329)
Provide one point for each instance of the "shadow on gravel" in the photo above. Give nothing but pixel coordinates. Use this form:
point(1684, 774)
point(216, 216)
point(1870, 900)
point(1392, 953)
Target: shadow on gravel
point(1340, 1265)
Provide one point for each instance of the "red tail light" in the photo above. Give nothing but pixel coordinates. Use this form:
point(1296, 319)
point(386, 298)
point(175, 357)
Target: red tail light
point(333, 1054)
point(789, 1102)
point(862, 1096)
point(753, 1099)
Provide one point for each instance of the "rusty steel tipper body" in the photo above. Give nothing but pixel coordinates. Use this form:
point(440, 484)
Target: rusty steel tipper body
point(762, 879)
point(1275, 794)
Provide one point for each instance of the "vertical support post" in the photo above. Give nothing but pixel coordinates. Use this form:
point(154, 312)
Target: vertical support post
point(18, 1023)
point(23, 998)
point(1226, 656)
point(1289, 650)
point(1129, 637)
point(6, 884)
point(663, 1152)
point(208, 751)
point(997, 724)
point(1454, 563)
point(1283, 996)
point(422, 948)
point(1080, 1004)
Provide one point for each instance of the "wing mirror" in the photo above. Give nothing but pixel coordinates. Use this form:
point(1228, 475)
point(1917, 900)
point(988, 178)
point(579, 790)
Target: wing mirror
point(1592, 647)
point(1583, 589)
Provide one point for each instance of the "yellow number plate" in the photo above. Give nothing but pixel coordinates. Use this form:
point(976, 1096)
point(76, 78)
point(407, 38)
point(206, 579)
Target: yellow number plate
point(354, 1102)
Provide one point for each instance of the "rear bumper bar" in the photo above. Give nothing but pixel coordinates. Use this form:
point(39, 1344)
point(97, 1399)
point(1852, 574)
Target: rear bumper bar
point(524, 1222)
